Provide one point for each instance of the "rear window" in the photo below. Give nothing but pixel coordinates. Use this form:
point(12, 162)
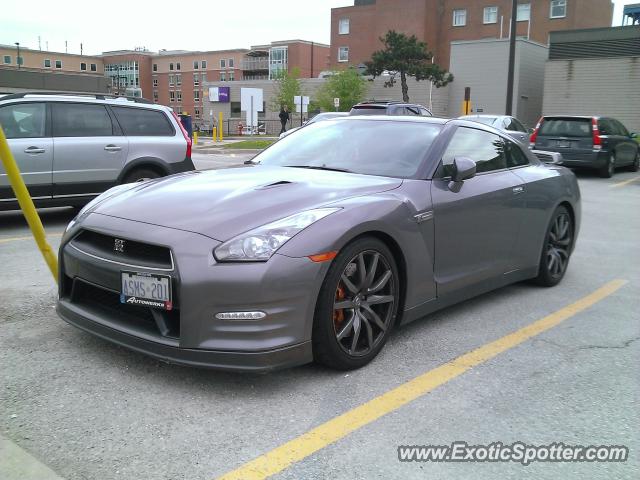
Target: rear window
point(369, 110)
point(139, 122)
point(566, 127)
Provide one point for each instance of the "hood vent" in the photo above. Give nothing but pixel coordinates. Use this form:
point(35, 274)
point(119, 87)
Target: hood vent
point(274, 184)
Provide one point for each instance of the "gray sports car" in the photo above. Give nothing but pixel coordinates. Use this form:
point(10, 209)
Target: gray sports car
point(332, 238)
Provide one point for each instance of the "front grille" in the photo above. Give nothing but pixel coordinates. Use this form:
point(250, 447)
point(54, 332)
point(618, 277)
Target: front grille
point(106, 303)
point(135, 253)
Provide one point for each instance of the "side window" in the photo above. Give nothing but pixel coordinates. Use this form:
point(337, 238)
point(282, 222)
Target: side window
point(606, 127)
point(518, 127)
point(81, 120)
point(138, 122)
point(23, 120)
point(507, 124)
point(411, 111)
point(622, 130)
point(424, 112)
point(515, 155)
point(484, 148)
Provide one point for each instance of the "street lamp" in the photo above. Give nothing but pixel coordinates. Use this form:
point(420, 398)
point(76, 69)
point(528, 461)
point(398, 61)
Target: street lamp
point(17, 44)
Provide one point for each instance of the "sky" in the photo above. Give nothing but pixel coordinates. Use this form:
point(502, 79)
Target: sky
point(212, 25)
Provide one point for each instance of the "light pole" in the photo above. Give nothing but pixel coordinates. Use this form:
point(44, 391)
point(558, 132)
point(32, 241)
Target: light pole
point(18, 56)
point(512, 57)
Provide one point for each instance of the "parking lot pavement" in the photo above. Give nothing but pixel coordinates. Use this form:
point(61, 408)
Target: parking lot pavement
point(212, 161)
point(89, 409)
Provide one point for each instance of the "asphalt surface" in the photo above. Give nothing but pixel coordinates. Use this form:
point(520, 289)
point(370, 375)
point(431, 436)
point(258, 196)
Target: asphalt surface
point(88, 409)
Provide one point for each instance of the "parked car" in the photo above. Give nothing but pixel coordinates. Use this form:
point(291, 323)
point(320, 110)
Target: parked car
point(317, 118)
point(600, 143)
point(509, 124)
point(389, 108)
point(356, 224)
point(72, 147)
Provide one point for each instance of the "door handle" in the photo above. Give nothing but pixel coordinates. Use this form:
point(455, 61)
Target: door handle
point(518, 189)
point(34, 150)
point(112, 148)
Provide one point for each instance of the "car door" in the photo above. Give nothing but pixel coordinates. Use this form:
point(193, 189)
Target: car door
point(627, 147)
point(515, 129)
point(89, 149)
point(476, 221)
point(25, 126)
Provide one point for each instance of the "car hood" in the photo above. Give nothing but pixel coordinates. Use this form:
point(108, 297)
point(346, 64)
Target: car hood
point(224, 203)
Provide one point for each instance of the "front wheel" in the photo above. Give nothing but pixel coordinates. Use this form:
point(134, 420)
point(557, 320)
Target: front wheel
point(357, 305)
point(557, 248)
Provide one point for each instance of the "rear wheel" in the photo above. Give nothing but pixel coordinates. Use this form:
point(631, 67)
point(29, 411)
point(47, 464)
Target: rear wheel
point(357, 305)
point(609, 168)
point(140, 175)
point(557, 248)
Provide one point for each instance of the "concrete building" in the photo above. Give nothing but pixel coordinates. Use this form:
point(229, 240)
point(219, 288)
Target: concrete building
point(595, 72)
point(482, 65)
point(355, 31)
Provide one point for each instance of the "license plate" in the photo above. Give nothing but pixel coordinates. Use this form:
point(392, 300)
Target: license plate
point(146, 290)
point(563, 143)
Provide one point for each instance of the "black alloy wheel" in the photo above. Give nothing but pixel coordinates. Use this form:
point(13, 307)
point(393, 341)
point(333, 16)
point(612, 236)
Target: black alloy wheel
point(557, 248)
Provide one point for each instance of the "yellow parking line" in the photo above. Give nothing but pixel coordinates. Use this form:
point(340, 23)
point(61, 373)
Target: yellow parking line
point(310, 442)
point(626, 182)
point(28, 237)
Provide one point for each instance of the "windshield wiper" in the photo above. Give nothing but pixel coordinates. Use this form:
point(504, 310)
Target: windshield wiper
point(319, 167)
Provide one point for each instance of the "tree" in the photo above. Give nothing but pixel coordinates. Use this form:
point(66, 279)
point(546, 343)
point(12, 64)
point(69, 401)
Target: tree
point(347, 85)
point(287, 86)
point(406, 56)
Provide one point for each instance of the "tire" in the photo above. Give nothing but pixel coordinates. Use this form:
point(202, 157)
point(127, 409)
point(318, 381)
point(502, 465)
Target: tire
point(556, 251)
point(350, 337)
point(635, 166)
point(609, 168)
point(140, 175)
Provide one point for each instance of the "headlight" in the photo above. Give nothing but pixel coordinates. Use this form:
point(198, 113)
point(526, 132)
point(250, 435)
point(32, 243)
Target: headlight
point(259, 244)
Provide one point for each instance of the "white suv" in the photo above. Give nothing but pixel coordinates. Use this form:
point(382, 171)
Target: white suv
point(71, 147)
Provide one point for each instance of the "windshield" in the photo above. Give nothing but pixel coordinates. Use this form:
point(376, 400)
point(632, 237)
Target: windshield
point(371, 147)
point(485, 120)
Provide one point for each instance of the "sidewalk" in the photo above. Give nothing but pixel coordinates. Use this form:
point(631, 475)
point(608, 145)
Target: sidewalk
point(18, 464)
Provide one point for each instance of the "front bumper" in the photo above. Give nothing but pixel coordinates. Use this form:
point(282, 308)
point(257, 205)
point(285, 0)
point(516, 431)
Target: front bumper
point(285, 288)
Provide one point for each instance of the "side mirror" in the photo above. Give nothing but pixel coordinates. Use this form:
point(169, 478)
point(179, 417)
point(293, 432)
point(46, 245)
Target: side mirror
point(633, 135)
point(531, 130)
point(463, 169)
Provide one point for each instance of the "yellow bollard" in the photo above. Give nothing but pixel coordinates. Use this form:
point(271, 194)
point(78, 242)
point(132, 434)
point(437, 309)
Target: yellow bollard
point(215, 134)
point(220, 129)
point(195, 138)
point(27, 206)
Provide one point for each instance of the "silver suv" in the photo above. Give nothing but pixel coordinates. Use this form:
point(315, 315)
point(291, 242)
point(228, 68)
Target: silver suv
point(72, 147)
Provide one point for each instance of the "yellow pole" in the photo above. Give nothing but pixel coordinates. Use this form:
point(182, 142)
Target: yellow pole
point(215, 134)
point(195, 138)
point(27, 206)
point(220, 129)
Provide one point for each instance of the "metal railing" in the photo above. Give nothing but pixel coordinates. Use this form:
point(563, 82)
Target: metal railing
point(265, 127)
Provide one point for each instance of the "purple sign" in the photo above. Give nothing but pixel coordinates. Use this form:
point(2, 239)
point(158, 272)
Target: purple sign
point(223, 94)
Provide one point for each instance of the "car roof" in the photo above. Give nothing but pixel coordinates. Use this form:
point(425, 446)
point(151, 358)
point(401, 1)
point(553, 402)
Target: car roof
point(384, 103)
point(74, 97)
point(576, 117)
point(392, 118)
point(485, 115)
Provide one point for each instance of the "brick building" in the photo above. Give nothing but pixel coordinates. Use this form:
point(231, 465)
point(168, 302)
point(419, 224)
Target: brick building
point(355, 30)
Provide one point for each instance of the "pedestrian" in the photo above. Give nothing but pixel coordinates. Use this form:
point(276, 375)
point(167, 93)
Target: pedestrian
point(284, 118)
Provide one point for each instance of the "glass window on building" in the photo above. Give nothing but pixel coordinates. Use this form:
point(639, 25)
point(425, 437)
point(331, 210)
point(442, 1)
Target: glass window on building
point(155, 82)
point(178, 66)
point(58, 63)
point(203, 64)
point(155, 67)
point(196, 112)
point(231, 76)
point(83, 66)
point(179, 95)
point(171, 80)
point(196, 79)
point(196, 96)
point(343, 54)
point(7, 60)
point(231, 63)
point(94, 67)
point(278, 61)
point(490, 15)
point(171, 66)
point(558, 9)
point(343, 26)
point(47, 63)
point(196, 65)
point(178, 80)
point(459, 18)
point(223, 63)
point(155, 96)
point(223, 77)
point(524, 12)
point(204, 76)
point(172, 96)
